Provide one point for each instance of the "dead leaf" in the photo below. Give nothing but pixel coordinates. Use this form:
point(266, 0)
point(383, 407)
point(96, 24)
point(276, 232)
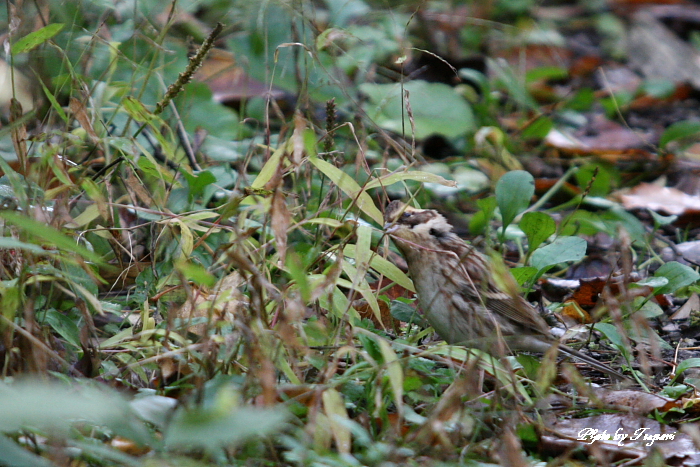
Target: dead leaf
point(661, 199)
point(81, 115)
point(136, 189)
point(574, 312)
point(636, 401)
point(280, 221)
point(365, 311)
point(229, 82)
point(298, 138)
point(692, 306)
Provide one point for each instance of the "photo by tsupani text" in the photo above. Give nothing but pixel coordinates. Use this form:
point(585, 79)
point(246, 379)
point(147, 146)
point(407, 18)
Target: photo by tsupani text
point(591, 435)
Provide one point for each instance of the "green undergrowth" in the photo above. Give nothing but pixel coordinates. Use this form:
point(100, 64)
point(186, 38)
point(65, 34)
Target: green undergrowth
point(239, 309)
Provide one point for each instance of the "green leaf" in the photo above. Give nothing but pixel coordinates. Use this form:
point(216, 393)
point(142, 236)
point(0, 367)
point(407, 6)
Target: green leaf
point(561, 250)
point(220, 426)
point(350, 187)
point(36, 38)
point(406, 313)
point(204, 112)
point(687, 364)
point(137, 110)
point(271, 166)
point(679, 130)
point(49, 235)
point(13, 455)
point(610, 332)
point(675, 391)
point(13, 243)
point(198, 182)
point(538, 227)
point(480, 220)
point(660, 220)
point(196, 273)
point(539, 129)
point(602, 184)
point(384, 267)
point(647, 308)
point(678, 275)
point(297, 271)
point(512, 83)
point(54, 103)
point(436, 108)
point(524, 274)
point(64, 326)
point(514, 191)
point(527, 433)
point(56, 406)
point(546, 73)
point(653, 282)
point(394, 372)
point(414, 175)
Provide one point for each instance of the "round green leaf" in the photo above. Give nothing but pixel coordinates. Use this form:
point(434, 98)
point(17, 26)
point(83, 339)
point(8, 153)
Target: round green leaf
point(561, 250)
point(686, 364)
point(538, 227)
point(514, 191)
point(524, 274)
point(678, 275)
point(436, 108)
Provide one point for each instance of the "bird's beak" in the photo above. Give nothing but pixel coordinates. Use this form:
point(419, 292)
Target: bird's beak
point(390, 227)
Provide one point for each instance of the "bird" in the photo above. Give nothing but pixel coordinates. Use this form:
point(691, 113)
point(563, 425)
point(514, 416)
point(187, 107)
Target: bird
point(462, 297)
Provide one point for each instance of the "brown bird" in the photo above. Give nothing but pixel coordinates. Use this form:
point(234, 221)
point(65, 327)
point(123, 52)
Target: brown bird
point(459, 293)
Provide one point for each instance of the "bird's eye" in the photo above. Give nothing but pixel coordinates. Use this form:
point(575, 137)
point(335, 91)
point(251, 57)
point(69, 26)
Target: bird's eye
point(406, 215)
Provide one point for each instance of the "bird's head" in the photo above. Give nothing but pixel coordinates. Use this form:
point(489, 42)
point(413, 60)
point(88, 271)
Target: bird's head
point(413, 224)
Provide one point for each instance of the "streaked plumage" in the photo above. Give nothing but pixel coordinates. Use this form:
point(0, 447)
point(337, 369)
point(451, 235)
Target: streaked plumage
point(458, 293)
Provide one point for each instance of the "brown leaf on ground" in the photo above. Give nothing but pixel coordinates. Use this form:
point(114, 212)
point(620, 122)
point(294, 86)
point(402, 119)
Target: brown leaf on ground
point(688, 308)
point(636, 401)
point(600, 135)
point(660, 199)
point(229, 81)
point(572, 311)
point(366, 312)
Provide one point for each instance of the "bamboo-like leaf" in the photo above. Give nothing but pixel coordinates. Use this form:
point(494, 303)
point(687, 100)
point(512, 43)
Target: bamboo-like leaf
point(13, 243)
point(350, 187)
point(49, 235)
point(340, 306)
point(394, 371)
point(36, 38)
point(486, 362)
point(270, 167)
point(359, 283)
point(54, 103)
point(335, 223)
point(414, 175)
point(384, 267)
point(334, 407)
